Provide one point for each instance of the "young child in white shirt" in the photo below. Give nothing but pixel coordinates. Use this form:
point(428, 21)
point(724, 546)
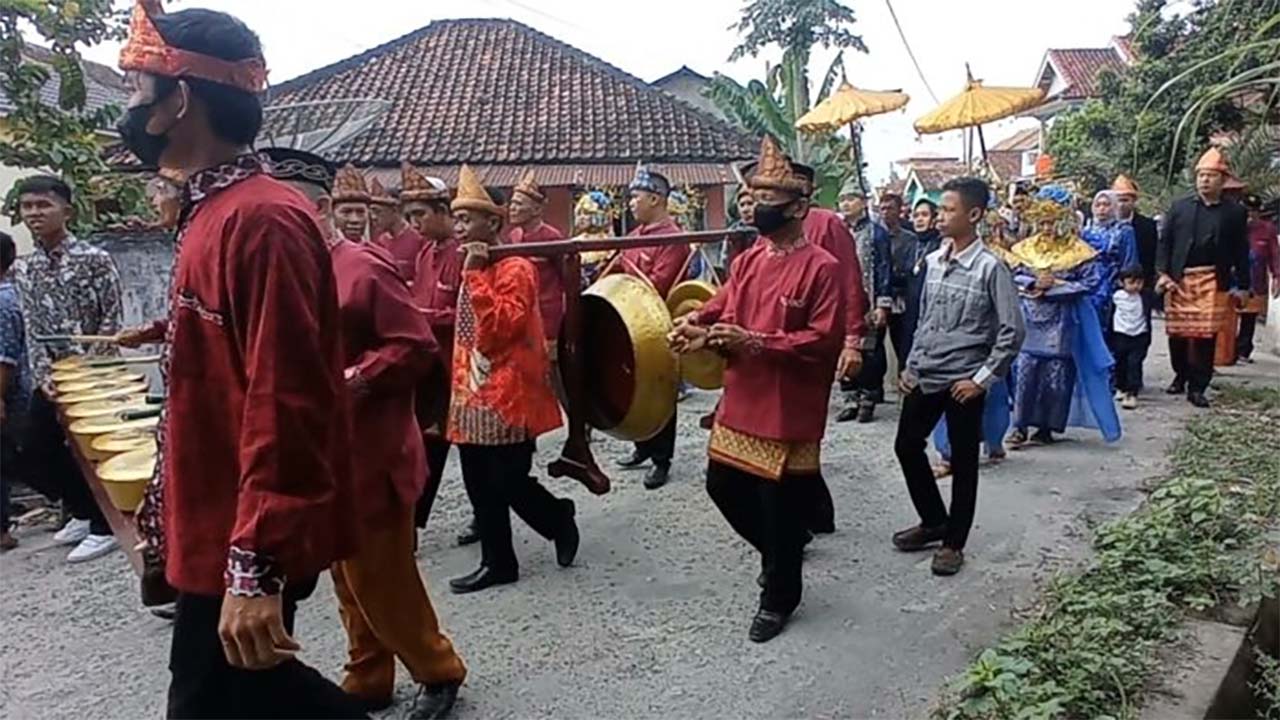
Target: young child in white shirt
point(1130, 336)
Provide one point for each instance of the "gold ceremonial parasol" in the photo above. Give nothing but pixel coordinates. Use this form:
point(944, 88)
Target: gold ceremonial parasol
point(976, 105)
point(846, 106)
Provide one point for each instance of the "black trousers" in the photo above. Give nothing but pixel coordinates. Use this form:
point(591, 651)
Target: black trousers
point(498, 483)
point(900, 334)
point(1244, 338)
point(437, 455)
point(1192, 360)
point(920, 414)
point(875, 363)
point(661, 447)
point(52, 471)
point(203, 685)
point(769, 515)
point(8, 464)
point(1130, 353)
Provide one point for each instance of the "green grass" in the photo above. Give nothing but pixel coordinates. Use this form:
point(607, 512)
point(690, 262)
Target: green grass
point(1200, 541)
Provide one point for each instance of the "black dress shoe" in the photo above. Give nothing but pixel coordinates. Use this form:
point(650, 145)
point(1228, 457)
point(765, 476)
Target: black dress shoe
point(657, 476)
point(918, 537)
point(1198, 399)
point(568, 539)
point(766, 625)
point(634, 460)
point(485, 577)
point(434, 701)
point(1177, 387)
point(847, 413)
point(866, 412)
point(471, 535)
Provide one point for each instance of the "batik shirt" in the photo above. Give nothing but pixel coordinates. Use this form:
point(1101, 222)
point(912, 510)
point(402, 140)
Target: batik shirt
point(13, 352)
point(73, 289)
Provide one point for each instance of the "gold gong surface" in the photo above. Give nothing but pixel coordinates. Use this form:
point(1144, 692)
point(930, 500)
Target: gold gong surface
point(68, 363)
point(630, 373)
point(105, 407)
point(61, 377)
point(123, 441)
point(125, 477)
point(703, 369)
point(102, 393)
point(102, 381)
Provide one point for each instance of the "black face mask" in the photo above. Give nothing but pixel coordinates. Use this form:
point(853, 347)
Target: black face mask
point(769, 218)
point(133, 133)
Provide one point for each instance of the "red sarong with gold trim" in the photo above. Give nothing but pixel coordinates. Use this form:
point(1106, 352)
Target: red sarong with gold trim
point(768, 459)
point(1196, 309)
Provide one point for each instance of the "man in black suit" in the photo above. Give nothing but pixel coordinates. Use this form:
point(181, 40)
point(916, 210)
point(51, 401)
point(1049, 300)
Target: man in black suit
point(1203, 251)
point(1144, 228)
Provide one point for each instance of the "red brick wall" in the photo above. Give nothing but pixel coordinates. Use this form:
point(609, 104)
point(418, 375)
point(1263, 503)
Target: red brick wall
point(559, 210)
point(715, 212)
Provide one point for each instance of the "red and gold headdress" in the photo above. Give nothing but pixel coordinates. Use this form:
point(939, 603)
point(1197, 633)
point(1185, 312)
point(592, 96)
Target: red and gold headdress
point(775, 171)
point(378, 195)
point(416, 187)
point(528, 186)
point(146, 51)
point(1213, 159)
point(472, 195)
point(349, 186)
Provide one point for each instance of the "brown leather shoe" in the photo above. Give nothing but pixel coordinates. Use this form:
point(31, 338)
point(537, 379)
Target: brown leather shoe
point(947, 561)
point(918, 537)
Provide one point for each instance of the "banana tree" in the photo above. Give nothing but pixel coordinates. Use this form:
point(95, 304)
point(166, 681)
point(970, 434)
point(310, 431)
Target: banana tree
point(772, 107)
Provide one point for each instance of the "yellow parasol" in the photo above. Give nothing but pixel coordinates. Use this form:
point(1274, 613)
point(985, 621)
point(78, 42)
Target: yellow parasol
point(846, 106)
point(976, 105)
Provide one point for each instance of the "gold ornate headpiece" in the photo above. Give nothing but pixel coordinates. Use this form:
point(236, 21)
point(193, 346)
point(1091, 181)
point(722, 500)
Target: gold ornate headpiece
point(472, 195)
point(146, 51)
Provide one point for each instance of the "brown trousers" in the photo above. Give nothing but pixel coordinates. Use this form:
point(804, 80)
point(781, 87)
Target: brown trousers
point(387, 613)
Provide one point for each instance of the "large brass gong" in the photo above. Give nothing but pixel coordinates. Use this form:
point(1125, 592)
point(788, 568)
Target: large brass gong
point(703, 369)
point(629, 371)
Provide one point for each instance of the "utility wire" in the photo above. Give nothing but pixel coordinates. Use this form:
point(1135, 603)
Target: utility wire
point(910, 54)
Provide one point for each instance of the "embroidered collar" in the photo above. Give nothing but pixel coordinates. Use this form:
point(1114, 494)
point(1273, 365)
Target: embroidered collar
point(775, 250)
point(210, 181)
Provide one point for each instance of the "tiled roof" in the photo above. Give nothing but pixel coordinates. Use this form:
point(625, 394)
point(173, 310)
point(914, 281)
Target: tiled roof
point(103, 86)
point(1080, 67)
point(1028, 139)
point(497, 92)
point(932, 176)
point(1007, 164)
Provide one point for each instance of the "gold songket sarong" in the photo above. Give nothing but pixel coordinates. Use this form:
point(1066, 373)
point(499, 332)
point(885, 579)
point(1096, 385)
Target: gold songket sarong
point(1195, 309)
point(768, 459)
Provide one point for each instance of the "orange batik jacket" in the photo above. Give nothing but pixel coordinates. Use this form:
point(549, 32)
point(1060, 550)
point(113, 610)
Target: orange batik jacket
point(501, 385)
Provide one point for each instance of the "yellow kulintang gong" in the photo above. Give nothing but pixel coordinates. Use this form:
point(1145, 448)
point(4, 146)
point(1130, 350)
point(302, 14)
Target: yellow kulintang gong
point(61, 377)
point(109, 380)
point(703, 369)
point(105, 407)
point(84, 430)
point(122, 441)
point(629, 371)
point(125, 477)
point(102, 393)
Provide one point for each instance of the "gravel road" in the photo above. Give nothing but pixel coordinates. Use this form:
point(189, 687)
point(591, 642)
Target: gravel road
point(652, 620)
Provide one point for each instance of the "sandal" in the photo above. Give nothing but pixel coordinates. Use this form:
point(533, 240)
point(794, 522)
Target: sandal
point(941, 470)
point(1017, 440)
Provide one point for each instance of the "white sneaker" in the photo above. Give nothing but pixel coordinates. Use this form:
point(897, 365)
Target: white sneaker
point(1119, 395)
point(73, 532)
point(92, 547)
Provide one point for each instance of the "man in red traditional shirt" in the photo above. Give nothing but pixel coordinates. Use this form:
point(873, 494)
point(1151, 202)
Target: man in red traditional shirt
point(388, 349)
point(502, 398)
point(350, 202)
point(781, 324)
point(253, 486)
point(528, 204)
point(661, 266)
point(391, 232)
point(425, 203)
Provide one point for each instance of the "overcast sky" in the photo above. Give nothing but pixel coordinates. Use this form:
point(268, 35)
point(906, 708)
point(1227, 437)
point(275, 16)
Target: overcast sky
point(1003, 40)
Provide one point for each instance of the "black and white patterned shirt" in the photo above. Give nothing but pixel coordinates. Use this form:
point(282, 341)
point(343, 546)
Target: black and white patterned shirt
point(73, 289)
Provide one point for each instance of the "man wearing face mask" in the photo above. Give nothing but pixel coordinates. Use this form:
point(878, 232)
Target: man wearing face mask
point(780, 322)
point(661, 266)
point(251, 499)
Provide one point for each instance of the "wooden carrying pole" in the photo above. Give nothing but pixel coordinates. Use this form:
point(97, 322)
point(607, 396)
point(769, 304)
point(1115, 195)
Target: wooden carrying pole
point(576, 460)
